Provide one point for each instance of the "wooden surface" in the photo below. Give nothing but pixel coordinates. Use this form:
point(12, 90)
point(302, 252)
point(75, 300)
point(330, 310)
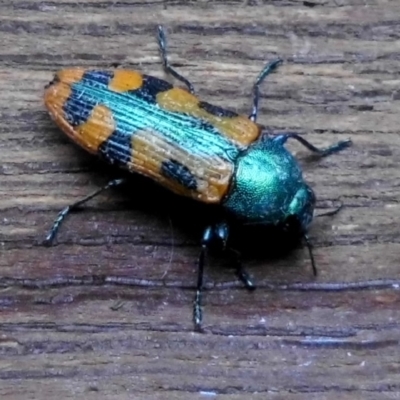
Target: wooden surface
point(106, 313)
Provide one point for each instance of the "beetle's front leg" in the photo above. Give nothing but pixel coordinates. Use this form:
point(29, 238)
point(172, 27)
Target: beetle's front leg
point(215, 236)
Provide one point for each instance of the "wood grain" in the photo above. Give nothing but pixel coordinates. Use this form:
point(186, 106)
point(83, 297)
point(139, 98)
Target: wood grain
point(106, 313)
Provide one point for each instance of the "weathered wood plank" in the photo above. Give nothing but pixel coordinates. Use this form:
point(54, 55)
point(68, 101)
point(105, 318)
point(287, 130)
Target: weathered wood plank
point(107, 311)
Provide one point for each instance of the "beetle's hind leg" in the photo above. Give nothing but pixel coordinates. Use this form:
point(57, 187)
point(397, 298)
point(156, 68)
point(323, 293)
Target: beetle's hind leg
point(335, 148)
point(48, 241)
point(162, 44)
point(215, 236)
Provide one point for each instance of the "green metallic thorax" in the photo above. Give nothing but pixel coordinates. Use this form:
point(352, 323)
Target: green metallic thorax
point(268, 186)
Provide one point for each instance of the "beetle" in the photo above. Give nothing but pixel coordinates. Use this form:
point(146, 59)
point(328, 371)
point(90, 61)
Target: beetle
point(191, 147)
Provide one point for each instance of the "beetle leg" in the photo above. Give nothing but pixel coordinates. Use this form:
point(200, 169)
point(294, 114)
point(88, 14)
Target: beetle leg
point(339, 146)
point(206, 241)
point(72, 207)
point(256, 88)
point(310, 251)
point(241, 273)
point(215, 235)
point(197, 311)
point(162, 44)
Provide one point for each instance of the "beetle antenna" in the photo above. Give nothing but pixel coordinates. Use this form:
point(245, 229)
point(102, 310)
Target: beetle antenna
point(310, 251)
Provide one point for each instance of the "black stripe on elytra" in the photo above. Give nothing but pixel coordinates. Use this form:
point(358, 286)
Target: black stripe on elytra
point(150, 88)
point(80, 104)
point(179, 173)
point(97, 78)
point(77, 108)
point(216, 110)
point(117, 149)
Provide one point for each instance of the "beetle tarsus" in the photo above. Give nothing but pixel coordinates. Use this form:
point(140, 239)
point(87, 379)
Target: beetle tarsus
point(197, 311)
point(241, 273)
point(48, 241)
point(310, 251)
point(245, 278)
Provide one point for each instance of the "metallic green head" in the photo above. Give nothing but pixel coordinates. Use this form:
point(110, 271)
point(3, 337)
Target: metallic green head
point(268, 188)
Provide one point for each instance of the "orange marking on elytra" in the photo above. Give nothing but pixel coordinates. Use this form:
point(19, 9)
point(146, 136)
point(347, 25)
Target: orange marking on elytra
point(125, 80)
point(239, 129)
point(97, 129)
point(55, 96)
point(70, 75)
point(89, 134)
point(150, 150)
point(179, 100)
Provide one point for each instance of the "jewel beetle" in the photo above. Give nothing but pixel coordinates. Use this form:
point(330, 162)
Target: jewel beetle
point(193, 148)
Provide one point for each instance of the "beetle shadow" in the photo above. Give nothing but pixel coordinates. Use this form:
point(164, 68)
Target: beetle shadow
point(263, 242)
point(189, 218)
